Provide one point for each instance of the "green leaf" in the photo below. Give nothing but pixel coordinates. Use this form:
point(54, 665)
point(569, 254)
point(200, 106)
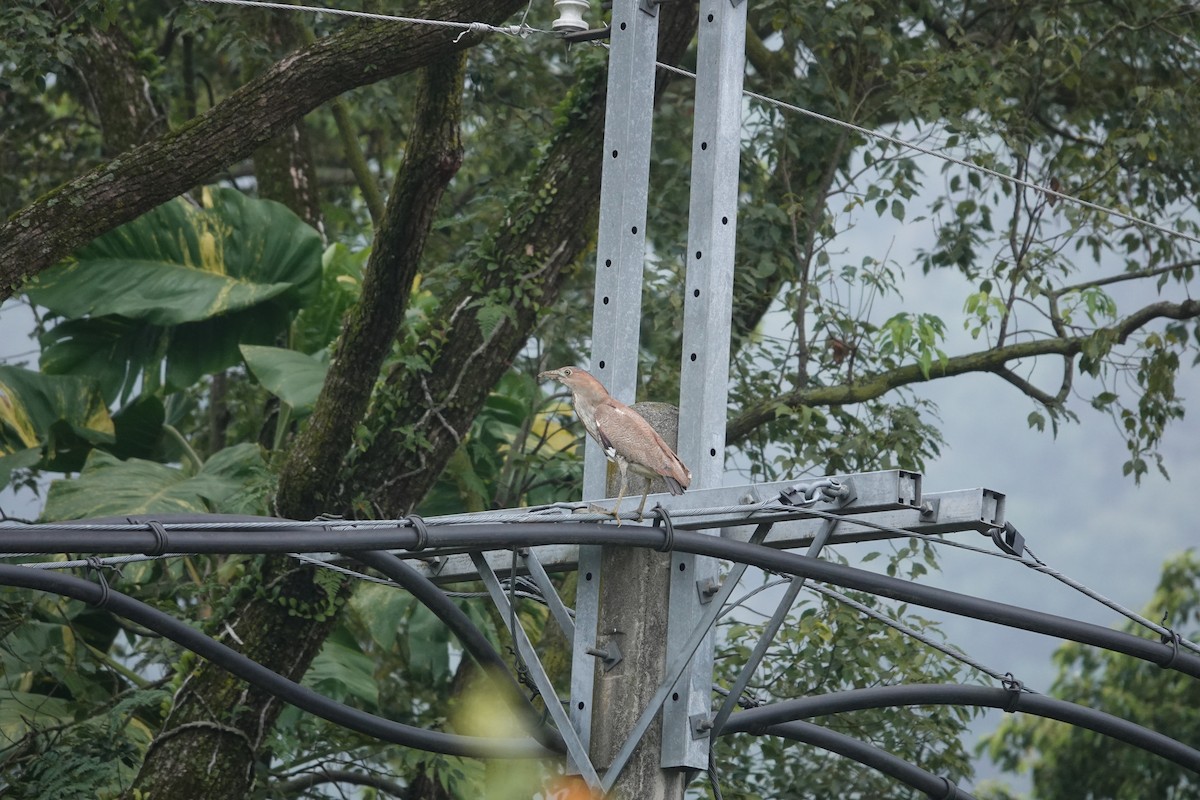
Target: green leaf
point(139, 428)
point(197, 281)
point(294, 378)
point(61, 416)
point(108, 486)
point(898, 210)
point(343, 670)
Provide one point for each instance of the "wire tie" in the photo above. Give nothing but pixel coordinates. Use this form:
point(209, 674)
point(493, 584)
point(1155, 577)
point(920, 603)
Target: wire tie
point(95, 565)
point(951, 789)
point(1013, 687)
point(422, 532)
point(1171, 637)
point(474, 27)
point(160, 538)
point(668, 529)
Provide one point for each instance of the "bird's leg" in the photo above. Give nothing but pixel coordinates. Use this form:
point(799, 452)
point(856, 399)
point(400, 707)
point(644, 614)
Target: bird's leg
point(622, 467)
point(642, 505)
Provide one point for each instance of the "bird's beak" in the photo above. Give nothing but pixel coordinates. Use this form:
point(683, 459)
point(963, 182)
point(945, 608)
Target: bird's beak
point(550, 374)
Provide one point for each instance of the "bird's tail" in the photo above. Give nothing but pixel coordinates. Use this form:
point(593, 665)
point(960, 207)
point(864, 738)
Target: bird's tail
point(673, 486)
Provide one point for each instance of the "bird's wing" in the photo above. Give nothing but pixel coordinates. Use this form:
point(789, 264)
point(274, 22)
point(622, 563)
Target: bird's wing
point(629, 435)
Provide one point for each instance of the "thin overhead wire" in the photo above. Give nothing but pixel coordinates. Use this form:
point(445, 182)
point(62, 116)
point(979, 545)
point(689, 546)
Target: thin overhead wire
point(945, 649)
point(1046, 190)
point(1033, 562)
point(520, 30)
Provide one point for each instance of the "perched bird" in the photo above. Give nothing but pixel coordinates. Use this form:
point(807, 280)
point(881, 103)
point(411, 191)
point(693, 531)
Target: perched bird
point(627, 439)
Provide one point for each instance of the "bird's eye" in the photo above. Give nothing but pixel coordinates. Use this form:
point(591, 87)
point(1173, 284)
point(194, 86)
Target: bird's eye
point(566, 372)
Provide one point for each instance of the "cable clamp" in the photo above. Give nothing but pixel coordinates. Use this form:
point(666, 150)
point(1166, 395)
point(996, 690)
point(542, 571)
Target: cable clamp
point(418, 524)
point(1009, 539)
point(668, 529)
point(1171, 637)
point(95, 565)
point(160, 538)
point(1014, 688)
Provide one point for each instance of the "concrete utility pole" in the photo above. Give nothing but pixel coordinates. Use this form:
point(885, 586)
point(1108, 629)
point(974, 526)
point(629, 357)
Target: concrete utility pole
point(634, 592)
point(634, 608)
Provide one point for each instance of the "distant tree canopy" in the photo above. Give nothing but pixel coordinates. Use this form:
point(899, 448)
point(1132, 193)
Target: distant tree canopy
point(302, 265)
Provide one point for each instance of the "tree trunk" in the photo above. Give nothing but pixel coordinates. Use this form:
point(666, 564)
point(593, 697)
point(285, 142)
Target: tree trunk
point(212, 738)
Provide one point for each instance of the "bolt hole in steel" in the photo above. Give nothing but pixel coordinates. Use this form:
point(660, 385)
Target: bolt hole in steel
point(695, 292)
point(581, 705)
point(675, 696)
point(710, 17)
point(608, 262)
point(587, 577)
point(724, 220)
point(622, 26)
point(614, 153)
point(693, 356)
point(606, 301)
point(682, 566)
point(704, 145)
point(635, 228)
point(697, 255)
point(601, 365)
point(712, 451)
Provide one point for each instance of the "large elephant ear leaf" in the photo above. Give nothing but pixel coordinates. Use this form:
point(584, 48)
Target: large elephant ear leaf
point(60, 418)
point(235, 271)
point(232, 481)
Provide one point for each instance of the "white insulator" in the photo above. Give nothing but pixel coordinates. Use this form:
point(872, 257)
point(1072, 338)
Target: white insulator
point(570, 15)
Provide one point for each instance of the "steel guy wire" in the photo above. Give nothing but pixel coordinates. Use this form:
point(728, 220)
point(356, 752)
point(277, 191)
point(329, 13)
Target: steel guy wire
point(952, 652)
point(520, 30)
point(1040, 566)
point(1035, 564)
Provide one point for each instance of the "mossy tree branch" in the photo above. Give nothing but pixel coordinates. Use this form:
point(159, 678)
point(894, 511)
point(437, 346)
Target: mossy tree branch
point(139, 179)
point(994, 360)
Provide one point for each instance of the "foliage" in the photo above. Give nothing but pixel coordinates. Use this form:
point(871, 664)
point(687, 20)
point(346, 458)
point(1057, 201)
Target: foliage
point(826, 646)
point(181, 352)
point(1070, 762)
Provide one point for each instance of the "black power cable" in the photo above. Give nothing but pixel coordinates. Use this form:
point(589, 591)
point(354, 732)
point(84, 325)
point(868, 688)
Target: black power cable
point(300, 696)
point(764, 718)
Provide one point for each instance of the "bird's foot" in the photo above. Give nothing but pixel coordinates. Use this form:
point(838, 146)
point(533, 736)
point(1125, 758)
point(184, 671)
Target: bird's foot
point(595, 509)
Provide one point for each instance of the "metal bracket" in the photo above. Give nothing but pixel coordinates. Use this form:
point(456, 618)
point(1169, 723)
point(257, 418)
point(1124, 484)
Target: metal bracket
point(701, 725)
point(707, 587)
point(930, 508)
point(649, 7)
point(610, 654)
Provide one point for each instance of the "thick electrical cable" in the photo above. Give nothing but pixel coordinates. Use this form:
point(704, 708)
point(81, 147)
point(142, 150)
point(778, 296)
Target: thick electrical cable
point(1033, 562)
point(496, 536)
point(757, 720)
point(249, 670)
point(934, 786)
point(472, 639)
